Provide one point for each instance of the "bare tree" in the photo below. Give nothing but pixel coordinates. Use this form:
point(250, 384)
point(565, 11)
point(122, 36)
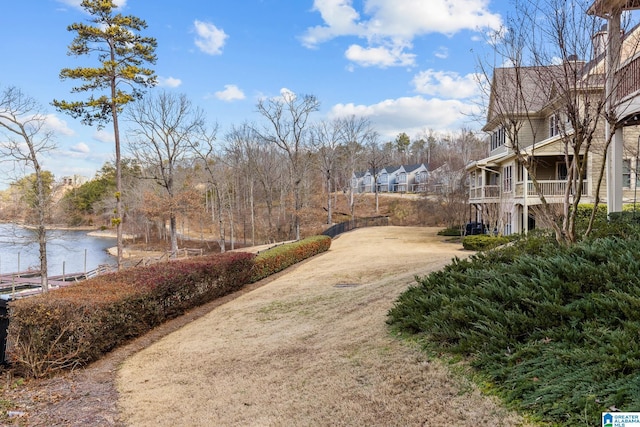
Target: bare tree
point(376, 157)
point(204, 149)
point(26, 139)
point(326, 140)
point(288, 127)
point(355, 132)
point(243, 155)
point(164, 133)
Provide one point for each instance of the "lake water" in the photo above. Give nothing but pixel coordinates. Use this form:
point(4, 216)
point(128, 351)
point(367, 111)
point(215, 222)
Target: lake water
point(73, 251)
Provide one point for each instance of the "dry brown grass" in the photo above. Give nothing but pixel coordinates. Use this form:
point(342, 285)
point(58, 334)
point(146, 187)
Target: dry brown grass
point(309, 348)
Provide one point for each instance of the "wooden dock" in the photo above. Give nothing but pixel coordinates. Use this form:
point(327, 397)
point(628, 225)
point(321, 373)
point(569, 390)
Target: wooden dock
point(27, 283)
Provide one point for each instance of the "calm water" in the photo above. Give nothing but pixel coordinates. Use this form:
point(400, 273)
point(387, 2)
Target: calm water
point(71, 250)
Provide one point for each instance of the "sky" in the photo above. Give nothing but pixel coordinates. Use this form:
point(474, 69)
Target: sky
point(406, 65)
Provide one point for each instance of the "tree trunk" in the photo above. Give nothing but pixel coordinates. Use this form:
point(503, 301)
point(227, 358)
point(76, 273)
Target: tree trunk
point(221, 240)
point(329, 206)
point(118, 218)
point(44, 270)
point(253, 214)
point(174, 235)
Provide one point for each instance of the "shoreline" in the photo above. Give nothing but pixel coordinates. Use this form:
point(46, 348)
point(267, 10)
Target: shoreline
point(109, 233)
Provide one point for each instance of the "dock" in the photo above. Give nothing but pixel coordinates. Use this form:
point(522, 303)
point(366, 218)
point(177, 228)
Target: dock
point(27, 283)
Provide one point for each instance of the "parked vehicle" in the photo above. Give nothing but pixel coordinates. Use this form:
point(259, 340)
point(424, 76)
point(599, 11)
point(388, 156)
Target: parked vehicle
point(473, 228)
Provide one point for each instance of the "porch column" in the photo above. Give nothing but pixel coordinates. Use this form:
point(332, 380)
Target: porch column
point(614, 173)
point(525, 200)
point(614, 153)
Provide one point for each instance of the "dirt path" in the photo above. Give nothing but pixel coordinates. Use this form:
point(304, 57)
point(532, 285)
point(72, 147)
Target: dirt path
point(310, 348)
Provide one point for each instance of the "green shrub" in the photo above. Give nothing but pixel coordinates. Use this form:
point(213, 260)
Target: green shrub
point(554, 332)
point(622, 224)
point(483, 242)
point(280, 257)
point(456, 231)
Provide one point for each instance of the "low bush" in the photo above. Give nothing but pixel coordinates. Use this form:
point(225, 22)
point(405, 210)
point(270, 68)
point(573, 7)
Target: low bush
point(75, 325)
point(280, 257)
point(554, 332)
point(456, 231)
point(483, 242)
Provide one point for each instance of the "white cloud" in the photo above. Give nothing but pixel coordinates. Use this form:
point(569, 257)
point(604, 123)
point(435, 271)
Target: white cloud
point(230, 93)
point(446, 84)
point(391, 25)
point(81, 147)
point(209, 38)
point(104, 136)
point(340, 19)
point(57, 125)
point(379, 56)
point(408, 18)
point(171, 82)
point(441, 53)
point(410, 114)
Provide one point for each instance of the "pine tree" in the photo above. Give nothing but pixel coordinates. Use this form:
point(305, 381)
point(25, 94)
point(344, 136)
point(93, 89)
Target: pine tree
point(121, 52)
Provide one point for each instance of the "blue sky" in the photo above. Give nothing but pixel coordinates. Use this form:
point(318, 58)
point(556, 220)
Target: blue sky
point(407, 65)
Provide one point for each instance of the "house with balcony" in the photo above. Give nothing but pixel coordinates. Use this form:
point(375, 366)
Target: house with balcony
point(408, 178)
point(385, 180)
point(392, 179)
point(527, 125)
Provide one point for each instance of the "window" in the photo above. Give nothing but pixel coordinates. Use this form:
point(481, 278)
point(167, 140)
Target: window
point(507, 179)
point(507, 224)
point(498, 138)
point(626, 173)
point(554, 125)
point(402, 177)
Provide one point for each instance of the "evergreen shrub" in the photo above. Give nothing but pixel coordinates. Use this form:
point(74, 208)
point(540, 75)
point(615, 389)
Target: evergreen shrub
point(483, 242)
point(455, 231)
point(555, 332)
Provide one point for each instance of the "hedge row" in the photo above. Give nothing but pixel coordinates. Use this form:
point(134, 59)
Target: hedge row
point(278, 258)
point(483, 242)
point(76, 325)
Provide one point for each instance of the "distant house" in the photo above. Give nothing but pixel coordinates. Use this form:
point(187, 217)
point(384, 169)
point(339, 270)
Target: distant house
point(74, 181)
point(409, 176)
point(393, 179)
point(445, 180)
point(385, 180)
point(356, 182)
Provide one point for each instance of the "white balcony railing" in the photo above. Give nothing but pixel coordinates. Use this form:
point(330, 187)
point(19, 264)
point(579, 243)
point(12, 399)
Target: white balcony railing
point(485, 192)
point(548, 188)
